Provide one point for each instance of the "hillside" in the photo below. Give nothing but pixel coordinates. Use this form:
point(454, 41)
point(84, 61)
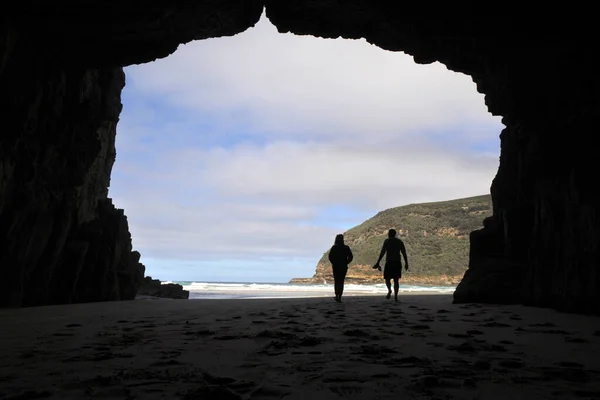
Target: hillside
point(436, 236)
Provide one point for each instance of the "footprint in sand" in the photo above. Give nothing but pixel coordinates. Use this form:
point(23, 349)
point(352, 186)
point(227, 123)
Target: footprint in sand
point(544, 324)
point(199, 332)
point(495, 348)
point(267, 333)
point(357, 333)
point(576, 340)
point(482, 365)
point(459, 335)
point(227, 337)
point(346, 390)
point(465, 347)
point(495, 324)
point(511, 363)
point(435, 344)
point(569, 364)
point(165, 363)
point(554, 331)
point(258, 314)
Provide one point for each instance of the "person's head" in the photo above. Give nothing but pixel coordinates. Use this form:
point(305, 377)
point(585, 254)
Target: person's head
point(339, 239)
point(392, 233)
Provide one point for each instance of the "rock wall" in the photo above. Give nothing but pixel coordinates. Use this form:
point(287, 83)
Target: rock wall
point(60, 76)
point(155, 288)
point(61, 239)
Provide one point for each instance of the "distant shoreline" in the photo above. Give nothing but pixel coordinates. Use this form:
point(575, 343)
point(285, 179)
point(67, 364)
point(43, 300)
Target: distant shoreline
point(249, 290)
point(442, 280)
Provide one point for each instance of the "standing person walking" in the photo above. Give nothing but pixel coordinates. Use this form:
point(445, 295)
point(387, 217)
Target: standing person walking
point(393, 247)
point(340, 256)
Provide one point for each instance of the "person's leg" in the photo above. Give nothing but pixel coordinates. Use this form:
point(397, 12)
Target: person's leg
point(342, 277)
point(388, 283)
point(336, 285)
point(396, 287)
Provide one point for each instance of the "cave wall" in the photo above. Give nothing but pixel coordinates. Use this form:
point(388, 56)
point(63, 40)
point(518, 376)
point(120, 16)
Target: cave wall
point(58, 69)
point(61, 239)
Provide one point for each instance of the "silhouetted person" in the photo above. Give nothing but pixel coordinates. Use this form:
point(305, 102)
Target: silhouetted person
point(393, 247)
point(340, 256)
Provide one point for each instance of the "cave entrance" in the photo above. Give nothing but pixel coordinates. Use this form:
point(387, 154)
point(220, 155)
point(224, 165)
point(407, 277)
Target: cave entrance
point(239, 158)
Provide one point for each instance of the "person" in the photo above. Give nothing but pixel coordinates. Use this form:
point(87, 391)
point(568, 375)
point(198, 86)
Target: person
point(393, 247)
point(340, 256)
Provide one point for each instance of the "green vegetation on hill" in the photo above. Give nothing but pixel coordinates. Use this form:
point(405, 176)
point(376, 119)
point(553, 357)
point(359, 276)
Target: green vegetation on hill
point(436, 235)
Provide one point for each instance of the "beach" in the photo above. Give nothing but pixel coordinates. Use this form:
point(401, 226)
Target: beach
point(367, 347)
point(253, 290)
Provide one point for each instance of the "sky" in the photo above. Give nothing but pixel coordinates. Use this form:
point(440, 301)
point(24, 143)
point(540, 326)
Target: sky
point(240, 158)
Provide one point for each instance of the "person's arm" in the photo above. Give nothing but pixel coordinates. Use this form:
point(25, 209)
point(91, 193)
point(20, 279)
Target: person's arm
point(330, 256)
point(403, 250)
point(381, 254)
point(350, 256)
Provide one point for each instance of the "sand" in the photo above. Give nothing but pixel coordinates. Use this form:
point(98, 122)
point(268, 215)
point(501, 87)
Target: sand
point(365, 348)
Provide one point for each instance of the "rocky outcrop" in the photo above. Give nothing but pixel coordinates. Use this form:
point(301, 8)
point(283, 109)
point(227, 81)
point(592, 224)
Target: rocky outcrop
point(155, 288)
point(58, 69)
point(491, 278)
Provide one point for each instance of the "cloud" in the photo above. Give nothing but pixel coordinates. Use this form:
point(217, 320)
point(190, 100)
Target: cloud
point(283, 84)
point(251, 200)
point(257, 149)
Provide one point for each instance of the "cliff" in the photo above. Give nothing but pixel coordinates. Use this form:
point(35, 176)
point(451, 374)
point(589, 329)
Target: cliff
point(436, 236)
point(61, 238)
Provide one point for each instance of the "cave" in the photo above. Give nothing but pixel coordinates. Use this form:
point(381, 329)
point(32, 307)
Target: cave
point(62, 240)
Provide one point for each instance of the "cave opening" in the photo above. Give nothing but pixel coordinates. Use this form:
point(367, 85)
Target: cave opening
point(239, 158)
point(63, 240)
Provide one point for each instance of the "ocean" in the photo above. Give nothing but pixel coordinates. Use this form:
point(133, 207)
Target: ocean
point(258, 290)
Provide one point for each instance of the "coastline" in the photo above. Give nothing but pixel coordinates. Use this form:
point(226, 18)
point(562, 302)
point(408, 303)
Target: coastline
point(407, 279)
point(298, 348)
point(249, 290)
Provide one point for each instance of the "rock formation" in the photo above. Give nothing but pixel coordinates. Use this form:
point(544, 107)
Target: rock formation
point(60, 80)
point(61, 239)
point(155, 288)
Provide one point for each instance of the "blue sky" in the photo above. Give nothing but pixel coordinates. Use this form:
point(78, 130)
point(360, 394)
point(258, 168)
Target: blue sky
point(240, 158)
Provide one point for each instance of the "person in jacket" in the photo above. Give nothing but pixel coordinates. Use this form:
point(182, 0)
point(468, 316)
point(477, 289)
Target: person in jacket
point(340, 256)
